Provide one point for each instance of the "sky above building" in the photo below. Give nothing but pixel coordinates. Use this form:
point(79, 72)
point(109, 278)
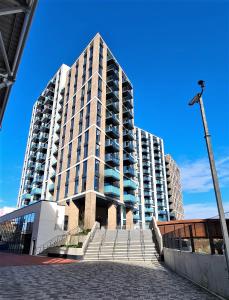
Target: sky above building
point(165, 47)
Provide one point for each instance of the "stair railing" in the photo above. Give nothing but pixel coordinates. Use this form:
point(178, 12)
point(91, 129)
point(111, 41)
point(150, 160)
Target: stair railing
point(128, 244)
point(90, 236)
point(116, 236)
point(142, 241)
point(102, 241)
point(55, 241)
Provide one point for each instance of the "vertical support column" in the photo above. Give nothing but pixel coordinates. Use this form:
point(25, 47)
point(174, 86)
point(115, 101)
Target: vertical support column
point(112, 216)
point(72, 211)
point(129, 218)
point(90, 210)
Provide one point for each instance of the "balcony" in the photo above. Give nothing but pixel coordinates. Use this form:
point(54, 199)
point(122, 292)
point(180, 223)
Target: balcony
point(36, 191)
point(127, 92)
point(148, 219)
point(112, 70)
point(128, 134)
point(58, 118)
point(111, 159)
point(42, 146)
point(36, 128)
point(146, 164)
point(53, 174)
point(48, 100)
point(130, 184)
point(126, 84)
point(111, 173)
point(158, 168)
point(47, 109)
point(149, 209)
point(112, 106)
point(31, 165)
point(43, 136)
point(25, 196)
point(112, 190)
point(128, 123)
point(29, 175)
point(112, 94)
point(144, 142)
point(57, 128)
point(146, 178)
point(130, 198)
point(146, 171)
point(34, 137)
point(129, 159)
point(44, 127)
point(112, 131)
point(113, 82)
point(112, 118)
point(38, 179)
point(32, 155)
point(40, 156)
point(37, 120)
point(160, 190)
point(145, 150)
point(51, 187)
point(46, 118)
point(129, 171)
point(147, 186)
point(129, 146)
point(145, 157)
point(33, 146)
point(128, 113)
point(39, 168)
point(136, 217)
point(147, 193)
point(162, 212)
point(112, 145)
point(53, 162)
point(128, 102)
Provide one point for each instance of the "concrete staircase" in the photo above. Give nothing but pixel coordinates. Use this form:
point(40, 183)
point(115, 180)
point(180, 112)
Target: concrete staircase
point(132, 245)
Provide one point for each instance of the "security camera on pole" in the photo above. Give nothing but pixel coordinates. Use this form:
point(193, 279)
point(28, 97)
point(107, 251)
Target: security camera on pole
point(198, 99)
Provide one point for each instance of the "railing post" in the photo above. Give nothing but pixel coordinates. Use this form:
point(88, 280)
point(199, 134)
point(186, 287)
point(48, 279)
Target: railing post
point(191, 238)
point(180, 241)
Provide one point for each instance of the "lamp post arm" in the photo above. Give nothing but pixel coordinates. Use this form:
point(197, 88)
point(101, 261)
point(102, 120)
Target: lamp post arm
point(215, 182)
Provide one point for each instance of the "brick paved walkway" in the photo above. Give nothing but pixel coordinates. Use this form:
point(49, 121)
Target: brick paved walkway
point(9, 259)
point(96, 280)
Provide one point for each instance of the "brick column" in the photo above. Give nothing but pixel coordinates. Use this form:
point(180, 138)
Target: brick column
point(73, 215)
point(112, 216)
point(90, 210)
point(129, 218)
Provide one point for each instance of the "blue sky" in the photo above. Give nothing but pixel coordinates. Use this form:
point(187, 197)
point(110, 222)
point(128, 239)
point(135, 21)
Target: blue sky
point(164, 48)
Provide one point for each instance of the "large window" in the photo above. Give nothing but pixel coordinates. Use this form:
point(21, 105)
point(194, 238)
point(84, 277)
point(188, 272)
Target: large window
point(96, 179)
point(69, 155)
point(66, 184)
point(84, 176)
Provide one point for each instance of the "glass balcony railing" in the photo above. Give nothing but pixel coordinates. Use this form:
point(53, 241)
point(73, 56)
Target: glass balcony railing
point(127, 92)
point(112, 190)
point(149, 209)
point(128, 158)
point(112, 70)
point(46, 117)
point(162, 212)
point(129, 171)
point(112, 118)
point(113, 82)
point(43, 136)
point(26, 197)
point(111, 173)
point(147, 186)
point(39, 167)
point(51, 187)
point(128, 134)
point(112, 159)
point(31, 165)
point(146, 164)
point(128, 102)
point(42, 146)
point(158, 168)
point(128, 145)
point(38, 179)
point(36, 128)
point(36, 191)
point(112, 106)
point(44, 127)
point(53, 162)
point(136, 217)
point(128, 123)
point(112, 144)
point(40, 156)
point(130, 184)
point(48, 100)
point(148, 219)
point(130, 198)
point(147, 193)
point(112, 131)
point(37, 120)
point(47, 108)
point(146, 171)
point(128, 113)
point(52, 174)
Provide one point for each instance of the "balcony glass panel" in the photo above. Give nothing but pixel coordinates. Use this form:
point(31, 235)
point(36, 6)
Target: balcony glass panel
point(112, 173)
point(130, 198)
point(130, 184)
point(112, 190)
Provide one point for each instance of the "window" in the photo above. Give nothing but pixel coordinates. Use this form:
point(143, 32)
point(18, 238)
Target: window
point(87, 122)
point(99, 108)
point(85, 150)
point(80, 127)
point(69, 154)
point(84, 168)
point(96, 179)
point(86, 137)
point(98, 133)
point(97, 167)
point(65, 223)
point(100, 70)
point(78, 155)
point(58, 188)
point(84, 181)
point(66, 184)
point(99, 88)
point(88, 109)
point(97, 150)
point(76, 185)
point(66, 113)
point(61, 160)
point(63, 135)
point(98, 122)
point(71, 129)
point(79, 141)
point(82, 97)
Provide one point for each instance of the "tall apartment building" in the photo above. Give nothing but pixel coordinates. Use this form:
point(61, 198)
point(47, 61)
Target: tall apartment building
point(152, 189)
point(174, 189)
point(81, 142)
point(38, 175)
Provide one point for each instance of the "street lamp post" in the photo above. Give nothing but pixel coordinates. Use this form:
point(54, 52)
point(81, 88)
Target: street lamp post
point(198, 99)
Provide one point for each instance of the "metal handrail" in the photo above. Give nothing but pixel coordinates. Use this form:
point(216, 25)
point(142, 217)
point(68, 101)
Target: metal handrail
point(102, 240)
point(128, 244)
point(115, 243)
point(58, 238)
